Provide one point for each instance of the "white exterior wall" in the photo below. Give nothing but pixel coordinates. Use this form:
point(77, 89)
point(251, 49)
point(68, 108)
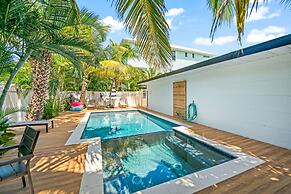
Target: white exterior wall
point(249, 96)
point(180, 61)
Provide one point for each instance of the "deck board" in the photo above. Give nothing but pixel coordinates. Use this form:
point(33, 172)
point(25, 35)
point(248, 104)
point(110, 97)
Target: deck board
point(58, 168)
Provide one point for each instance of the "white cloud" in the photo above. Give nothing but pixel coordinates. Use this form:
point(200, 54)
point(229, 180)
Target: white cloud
point(174, 12)
point(115, 25)
point(171, 14)
point(265, 34)
point(262, 13)
point(216, 41)
point(169, 21)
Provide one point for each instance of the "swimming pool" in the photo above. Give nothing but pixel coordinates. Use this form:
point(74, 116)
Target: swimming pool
point(135, 163)
point(110, 125)
point(139, 151)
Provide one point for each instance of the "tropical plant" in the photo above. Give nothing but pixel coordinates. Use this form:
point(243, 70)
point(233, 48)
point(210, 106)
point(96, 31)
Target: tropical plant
point(52, 108)
point(30, 27)
point(23, 79)
point(224, 11)
point(150, 73)
point(114, 70)
point(85, 29)
point(135, 75)
point(121, 52)
point(115, 66)
point(66, 104)
point(145, 21)
point(6, 135)
point(95, 33)
point(64, 76)
point(40, 83)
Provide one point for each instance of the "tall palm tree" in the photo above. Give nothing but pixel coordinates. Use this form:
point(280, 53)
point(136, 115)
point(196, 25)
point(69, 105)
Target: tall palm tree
point(94, 31)
point(40, 82)
point(29, 26)
point(115, 66)
point(88, 28)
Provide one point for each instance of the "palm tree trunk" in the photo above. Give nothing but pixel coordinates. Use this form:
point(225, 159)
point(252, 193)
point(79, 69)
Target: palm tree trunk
point(41, 70)
point(18, 66)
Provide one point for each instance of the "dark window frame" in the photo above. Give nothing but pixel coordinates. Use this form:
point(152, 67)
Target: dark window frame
point(174, 55)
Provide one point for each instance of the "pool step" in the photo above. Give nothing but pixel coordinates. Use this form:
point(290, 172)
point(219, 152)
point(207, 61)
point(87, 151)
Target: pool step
point(188, 152)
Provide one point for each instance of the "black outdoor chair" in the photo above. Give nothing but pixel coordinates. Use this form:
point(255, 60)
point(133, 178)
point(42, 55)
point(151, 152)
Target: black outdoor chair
point(20, 166)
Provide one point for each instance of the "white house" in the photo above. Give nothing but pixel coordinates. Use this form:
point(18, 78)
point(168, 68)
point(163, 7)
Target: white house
point(181, 57)
point(246, 92)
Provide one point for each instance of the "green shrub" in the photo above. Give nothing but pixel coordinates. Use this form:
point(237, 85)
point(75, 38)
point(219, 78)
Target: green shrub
point(52, 108)
point(6, 135)
point(66, 103)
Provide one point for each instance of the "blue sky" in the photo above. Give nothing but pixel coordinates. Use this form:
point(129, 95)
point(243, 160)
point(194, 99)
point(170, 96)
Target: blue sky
point(190, 24)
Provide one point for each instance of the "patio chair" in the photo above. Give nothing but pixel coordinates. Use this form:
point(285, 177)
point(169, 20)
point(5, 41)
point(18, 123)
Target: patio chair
point(20, 166)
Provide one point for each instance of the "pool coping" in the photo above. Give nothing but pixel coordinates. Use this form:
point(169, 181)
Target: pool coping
point(92, 180)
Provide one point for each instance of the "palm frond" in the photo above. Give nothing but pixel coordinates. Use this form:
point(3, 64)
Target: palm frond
point(145, 21)
point(223, 12)
point(8, 111)
point(287, 3)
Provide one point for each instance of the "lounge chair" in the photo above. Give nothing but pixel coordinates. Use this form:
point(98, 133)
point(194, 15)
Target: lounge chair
point(33, 123)
point(20, 166)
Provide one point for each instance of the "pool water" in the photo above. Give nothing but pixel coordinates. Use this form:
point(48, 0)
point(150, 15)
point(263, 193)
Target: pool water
point(140, 150)
point(110, 125)
point(131, 164)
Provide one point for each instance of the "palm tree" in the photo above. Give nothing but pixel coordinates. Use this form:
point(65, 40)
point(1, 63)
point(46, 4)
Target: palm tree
point(114, 70)
point(28, 27)
point(40, 82)
point(88, 28)
point(96, 32)
point(150, 73)
point(115, 66)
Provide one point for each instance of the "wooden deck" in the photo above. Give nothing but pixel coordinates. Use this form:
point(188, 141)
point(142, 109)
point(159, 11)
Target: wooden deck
point(57, 169)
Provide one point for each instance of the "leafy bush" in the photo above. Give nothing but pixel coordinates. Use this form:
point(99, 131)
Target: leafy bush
point(66, 104)
point(52, 108)
point(6, 135)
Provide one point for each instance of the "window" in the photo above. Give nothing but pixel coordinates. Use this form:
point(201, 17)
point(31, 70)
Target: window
point(206, 56)
point(193, 55)
point(186, 54)
point(174, 55)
